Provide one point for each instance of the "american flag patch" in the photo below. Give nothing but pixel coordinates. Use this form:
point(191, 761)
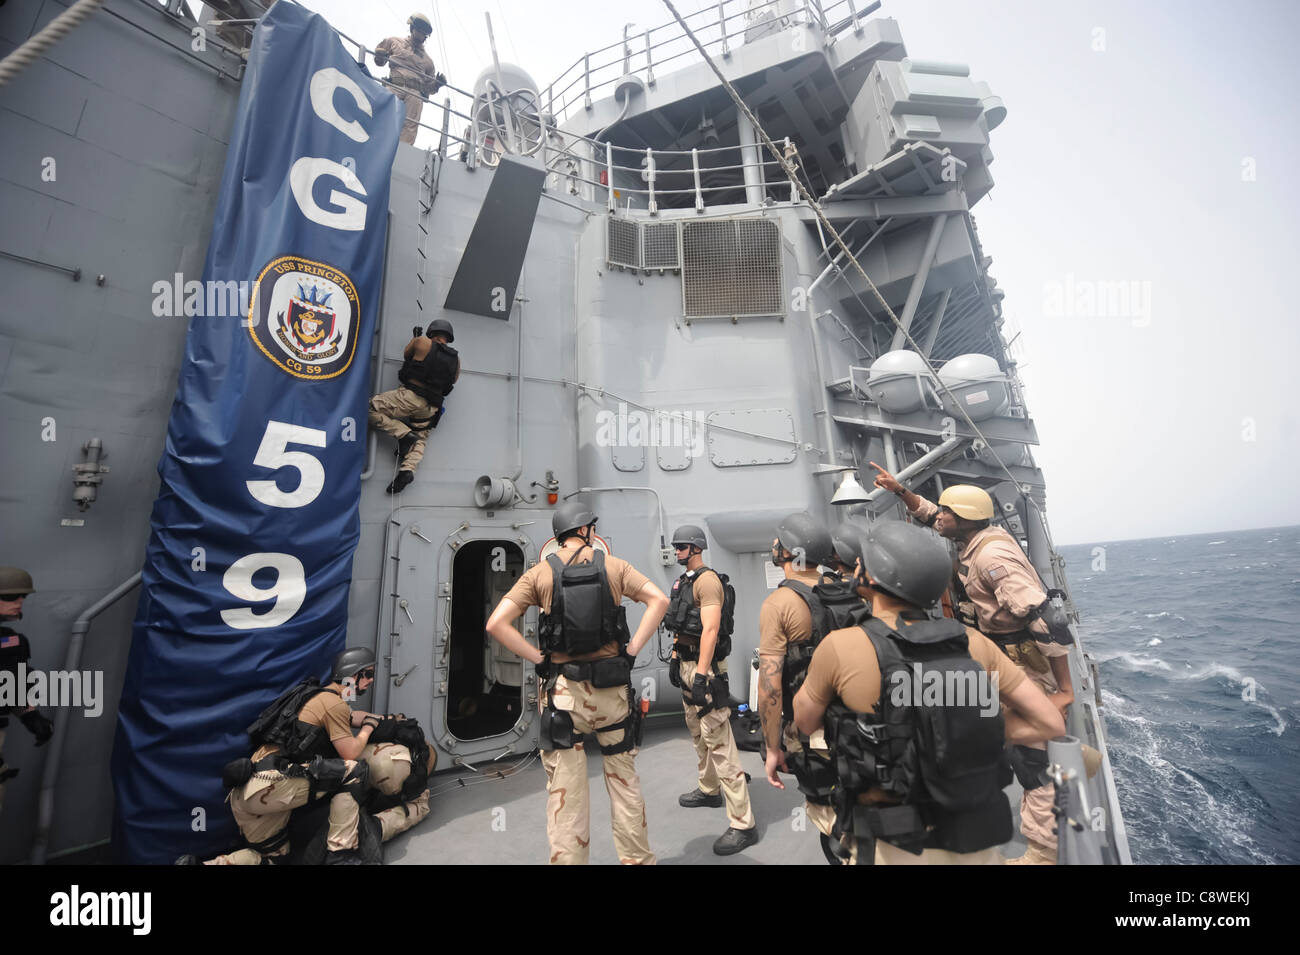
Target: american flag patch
point(9, 641)
point(996, 572)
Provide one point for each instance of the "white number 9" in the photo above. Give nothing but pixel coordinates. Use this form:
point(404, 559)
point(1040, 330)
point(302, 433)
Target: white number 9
point(288, 591)
point(271, 454)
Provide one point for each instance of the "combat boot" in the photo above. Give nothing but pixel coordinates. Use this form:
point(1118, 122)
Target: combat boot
point(697, 798)
point(734, 840)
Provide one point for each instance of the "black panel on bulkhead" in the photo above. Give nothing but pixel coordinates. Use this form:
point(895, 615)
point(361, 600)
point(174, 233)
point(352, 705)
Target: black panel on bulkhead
point(489, 268)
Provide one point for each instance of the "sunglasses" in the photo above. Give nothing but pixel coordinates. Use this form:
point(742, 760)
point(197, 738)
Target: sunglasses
point(681, 547)
point(366, 674)
point(12, 596)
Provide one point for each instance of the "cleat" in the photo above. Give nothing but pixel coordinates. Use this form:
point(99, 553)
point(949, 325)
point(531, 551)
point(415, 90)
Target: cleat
point(734, 840)
point(696, 798)
point(401, 481)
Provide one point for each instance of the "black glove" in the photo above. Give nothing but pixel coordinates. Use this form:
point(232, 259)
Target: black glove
point(38, 726)
point(674, 673)
point(545, 668)
point(439, 81)
point(699, 689)
point(417, 332)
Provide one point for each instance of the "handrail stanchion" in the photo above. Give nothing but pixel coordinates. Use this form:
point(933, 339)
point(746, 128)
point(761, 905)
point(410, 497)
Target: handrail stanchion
point(649, 62)
point(650, 178)
point(722, 25)
point(695, 166)
point(586, 79)
point(794, 186)
point(609, 174)
point(853, 13)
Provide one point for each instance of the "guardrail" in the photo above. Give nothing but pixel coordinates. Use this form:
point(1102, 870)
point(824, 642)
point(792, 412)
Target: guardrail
point(718, 27)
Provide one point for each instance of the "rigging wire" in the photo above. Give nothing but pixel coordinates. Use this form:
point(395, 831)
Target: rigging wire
point(816, 208)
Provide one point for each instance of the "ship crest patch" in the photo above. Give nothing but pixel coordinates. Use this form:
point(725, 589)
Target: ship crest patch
point(304, 316)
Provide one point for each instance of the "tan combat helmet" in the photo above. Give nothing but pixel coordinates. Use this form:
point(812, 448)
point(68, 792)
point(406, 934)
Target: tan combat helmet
point(968, 501)
point(15, 580)
point(418, 22)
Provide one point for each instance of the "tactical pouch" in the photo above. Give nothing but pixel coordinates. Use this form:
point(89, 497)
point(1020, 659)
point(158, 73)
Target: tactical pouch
point(615, 671)
point(556, 730)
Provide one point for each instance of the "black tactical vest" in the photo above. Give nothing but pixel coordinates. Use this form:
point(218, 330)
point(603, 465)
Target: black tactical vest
point(583, 616)
point(832, 605)
point(433, 376)
point(683, 616)
point(279, 725)
point(942, 759)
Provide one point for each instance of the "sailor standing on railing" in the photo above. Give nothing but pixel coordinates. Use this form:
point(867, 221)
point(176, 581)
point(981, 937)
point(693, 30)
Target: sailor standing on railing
point(999, 592)
point(411, 69)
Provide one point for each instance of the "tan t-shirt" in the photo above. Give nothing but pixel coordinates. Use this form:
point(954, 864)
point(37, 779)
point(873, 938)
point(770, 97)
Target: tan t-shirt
point(706, 591)
point(784, 617)
point(534, 589)
point(323, 709)
point(845, 666)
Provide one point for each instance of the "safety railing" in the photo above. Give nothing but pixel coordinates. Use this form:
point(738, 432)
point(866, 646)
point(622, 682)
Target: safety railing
point(720, 27)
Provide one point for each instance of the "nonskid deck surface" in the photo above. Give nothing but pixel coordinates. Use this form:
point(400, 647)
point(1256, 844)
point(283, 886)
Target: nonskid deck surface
point(503, 820)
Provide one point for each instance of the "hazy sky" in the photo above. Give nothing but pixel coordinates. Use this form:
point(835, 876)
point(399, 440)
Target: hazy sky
point(1146, 143)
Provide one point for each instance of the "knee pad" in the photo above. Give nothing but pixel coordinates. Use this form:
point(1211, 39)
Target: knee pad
point(357, 783)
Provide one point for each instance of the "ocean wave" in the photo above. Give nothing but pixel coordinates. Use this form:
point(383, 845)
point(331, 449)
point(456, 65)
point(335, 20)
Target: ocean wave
point(1165, 613)
point(1218, 542)
point(1135, 662)
point(1154, 642)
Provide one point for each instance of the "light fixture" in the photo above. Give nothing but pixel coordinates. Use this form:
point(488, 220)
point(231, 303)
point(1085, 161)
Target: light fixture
point(850, 491)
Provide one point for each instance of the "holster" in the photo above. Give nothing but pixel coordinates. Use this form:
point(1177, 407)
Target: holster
point(556, 730)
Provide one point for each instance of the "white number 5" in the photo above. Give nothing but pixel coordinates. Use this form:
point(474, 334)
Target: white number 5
point(272, 454)
point(289, 590)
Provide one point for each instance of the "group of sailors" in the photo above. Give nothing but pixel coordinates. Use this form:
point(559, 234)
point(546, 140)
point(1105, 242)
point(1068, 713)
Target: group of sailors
point(890, 776)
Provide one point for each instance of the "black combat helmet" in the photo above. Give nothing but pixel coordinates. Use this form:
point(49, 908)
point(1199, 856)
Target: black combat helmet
point(845, 539)
point(906, 560)
point(440, 326)
point(351, 662)
point(691, 536)
point(807, 538)
point(570, 516)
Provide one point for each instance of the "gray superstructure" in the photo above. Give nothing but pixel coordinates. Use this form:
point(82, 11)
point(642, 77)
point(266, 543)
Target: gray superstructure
point(684, 345)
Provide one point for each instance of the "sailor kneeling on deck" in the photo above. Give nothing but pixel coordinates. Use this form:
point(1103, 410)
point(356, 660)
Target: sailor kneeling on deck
point(375, 780)
point(430, 369)
point(904, 794)
point(997, 590)
point(585, 668)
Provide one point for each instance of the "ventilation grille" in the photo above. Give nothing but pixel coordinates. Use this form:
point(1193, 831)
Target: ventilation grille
point(731, 268)
point(659, 246)
point(623, 243)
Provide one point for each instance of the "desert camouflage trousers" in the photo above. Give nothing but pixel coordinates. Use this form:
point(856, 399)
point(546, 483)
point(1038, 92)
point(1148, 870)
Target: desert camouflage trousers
point(414, 106)
point(716, 753)
point(263, 805)
point(568, 820)
point(389, 406)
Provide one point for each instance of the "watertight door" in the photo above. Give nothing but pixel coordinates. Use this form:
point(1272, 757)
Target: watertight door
point(443, 579)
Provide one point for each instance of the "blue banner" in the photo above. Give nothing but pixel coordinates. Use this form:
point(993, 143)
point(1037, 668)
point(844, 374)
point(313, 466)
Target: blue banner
point(246, 576)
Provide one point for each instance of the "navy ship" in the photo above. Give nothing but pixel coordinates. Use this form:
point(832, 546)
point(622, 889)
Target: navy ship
point(704, 276)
